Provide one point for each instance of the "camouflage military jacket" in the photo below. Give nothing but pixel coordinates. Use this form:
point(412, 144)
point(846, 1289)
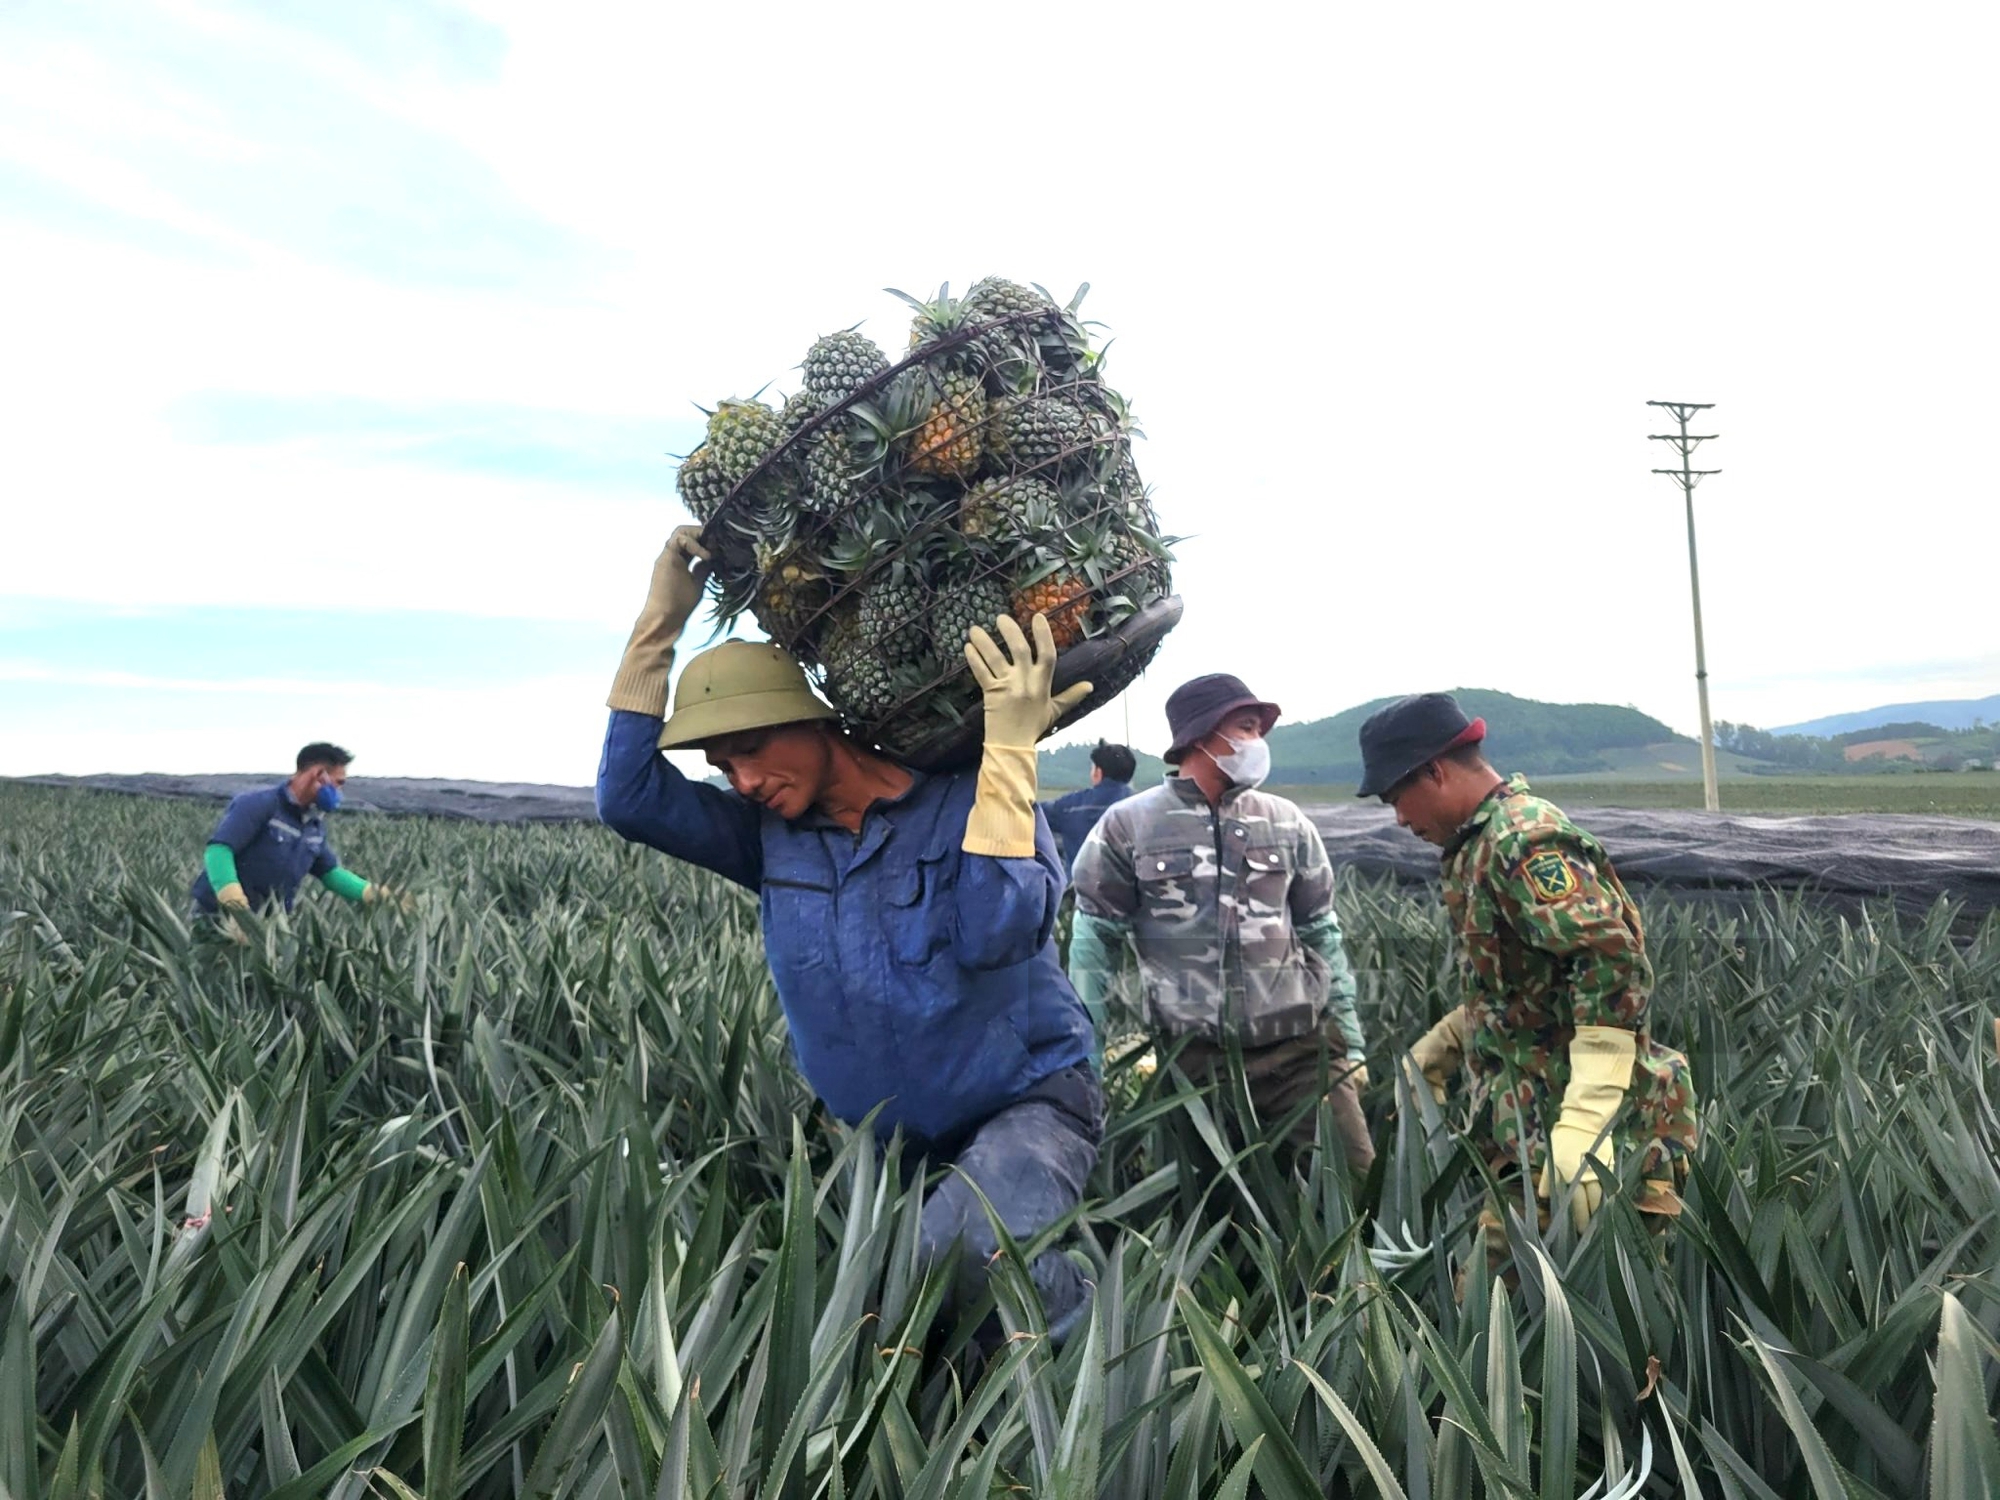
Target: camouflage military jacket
point(1549, 940)
point(1214, 899)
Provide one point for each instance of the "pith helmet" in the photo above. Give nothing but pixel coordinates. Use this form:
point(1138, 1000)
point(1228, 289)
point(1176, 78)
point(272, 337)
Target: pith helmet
point(739, 686)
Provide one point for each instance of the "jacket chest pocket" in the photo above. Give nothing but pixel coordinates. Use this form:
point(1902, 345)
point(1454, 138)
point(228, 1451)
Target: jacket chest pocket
point(916, 913)
point(1167, 885)
point(1267, 879)
point(798, 922)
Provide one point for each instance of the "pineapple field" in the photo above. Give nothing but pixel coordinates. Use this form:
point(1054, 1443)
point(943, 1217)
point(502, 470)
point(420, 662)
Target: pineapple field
point(871, 519)
point(518, 1194)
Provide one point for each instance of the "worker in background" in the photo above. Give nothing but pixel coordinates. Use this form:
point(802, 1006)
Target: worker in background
point(1073, 816)
point(1555, 982)
point(1225, 893)
point(269, 841)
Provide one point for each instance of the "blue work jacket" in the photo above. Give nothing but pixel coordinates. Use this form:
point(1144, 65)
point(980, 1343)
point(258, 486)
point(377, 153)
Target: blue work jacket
point(277, 845)
point(913, 975)
point(1072, 817)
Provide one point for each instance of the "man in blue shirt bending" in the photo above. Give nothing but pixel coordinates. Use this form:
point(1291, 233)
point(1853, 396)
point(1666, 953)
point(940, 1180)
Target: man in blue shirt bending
point(1071, 818)
point(269, 841)
point(908, 918)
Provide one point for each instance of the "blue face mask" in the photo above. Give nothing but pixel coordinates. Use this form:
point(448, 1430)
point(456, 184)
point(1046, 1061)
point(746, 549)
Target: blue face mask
point(328, 798)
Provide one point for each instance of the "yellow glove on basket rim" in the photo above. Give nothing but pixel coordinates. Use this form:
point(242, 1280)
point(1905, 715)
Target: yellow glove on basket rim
point(1019, 707)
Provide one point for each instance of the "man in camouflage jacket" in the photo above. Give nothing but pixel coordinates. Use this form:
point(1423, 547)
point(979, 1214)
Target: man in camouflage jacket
point(1552, 966)
point(1226, 894)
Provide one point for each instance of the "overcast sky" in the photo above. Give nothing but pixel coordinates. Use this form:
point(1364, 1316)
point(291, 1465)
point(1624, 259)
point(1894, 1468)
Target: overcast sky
point(345, 345)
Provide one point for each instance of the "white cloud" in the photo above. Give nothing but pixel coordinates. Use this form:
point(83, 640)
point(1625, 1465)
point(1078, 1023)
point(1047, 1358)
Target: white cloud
point(263, 687)
point(544, 729)
point(1390, 292)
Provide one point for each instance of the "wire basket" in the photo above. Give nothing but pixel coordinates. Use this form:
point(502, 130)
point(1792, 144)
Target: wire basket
point(888, 507)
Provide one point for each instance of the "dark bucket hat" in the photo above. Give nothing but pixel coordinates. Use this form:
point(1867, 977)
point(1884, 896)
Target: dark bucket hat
point(1409, 733)
point(1196, 707)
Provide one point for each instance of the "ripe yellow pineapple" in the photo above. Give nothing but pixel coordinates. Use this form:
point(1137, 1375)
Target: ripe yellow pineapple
point(1063, 597)
point(950, 439)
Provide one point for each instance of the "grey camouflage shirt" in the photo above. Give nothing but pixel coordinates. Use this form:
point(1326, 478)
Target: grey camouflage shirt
point(1214, 899)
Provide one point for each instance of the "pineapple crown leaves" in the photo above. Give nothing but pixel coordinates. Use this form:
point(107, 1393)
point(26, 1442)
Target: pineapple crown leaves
point(941, 321)
point(872, 429)
point(733, 597)
point(1076, 301)
point(935, 306)
point(945, 324)
point(755, 398)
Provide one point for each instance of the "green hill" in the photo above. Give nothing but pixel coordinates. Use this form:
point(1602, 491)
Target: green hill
point(1540, 739)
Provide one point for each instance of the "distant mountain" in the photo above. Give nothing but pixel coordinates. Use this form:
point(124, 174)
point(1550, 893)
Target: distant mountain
point(1947, 713)
point(1539, 739)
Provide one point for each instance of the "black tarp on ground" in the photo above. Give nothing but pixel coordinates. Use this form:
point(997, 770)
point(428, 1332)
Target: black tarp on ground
point(1845, 858)
point(482, 801)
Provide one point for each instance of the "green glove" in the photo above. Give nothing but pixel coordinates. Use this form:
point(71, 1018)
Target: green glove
point(1440, 1050)
point(1322, 936)
point(1600, 1073)
point(220, 862)
point(345, 884)
point(679, 575)
point(1094, 949)
point(1015, 691)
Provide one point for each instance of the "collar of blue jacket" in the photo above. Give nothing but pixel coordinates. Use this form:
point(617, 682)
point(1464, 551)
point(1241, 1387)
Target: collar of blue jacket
point(913, 976)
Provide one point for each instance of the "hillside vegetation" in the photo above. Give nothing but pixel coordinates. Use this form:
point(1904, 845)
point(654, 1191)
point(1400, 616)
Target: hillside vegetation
point(1592, 739)
point(1539, 739)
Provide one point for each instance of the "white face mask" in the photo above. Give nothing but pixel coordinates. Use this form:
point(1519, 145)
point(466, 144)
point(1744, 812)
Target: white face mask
point(1247, 764)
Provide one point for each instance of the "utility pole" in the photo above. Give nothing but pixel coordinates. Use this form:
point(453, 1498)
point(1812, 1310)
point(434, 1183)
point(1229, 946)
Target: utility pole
point(1687, 478)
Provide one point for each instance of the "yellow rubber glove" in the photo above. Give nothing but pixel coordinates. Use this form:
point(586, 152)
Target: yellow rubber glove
point(1440, 1050)
point(1014, 685)
point(231, 897)
point(375, 892)
point(679, 575)
point(1600, 1074)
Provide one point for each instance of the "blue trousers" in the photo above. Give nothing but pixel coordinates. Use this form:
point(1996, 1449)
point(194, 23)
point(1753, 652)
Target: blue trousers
point(1031, 1160)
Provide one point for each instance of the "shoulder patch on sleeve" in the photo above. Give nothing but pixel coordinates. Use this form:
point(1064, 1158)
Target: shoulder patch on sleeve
point(1550, 875)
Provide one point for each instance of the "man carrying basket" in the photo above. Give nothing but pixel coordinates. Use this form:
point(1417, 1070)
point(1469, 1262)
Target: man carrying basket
point(908, 918)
